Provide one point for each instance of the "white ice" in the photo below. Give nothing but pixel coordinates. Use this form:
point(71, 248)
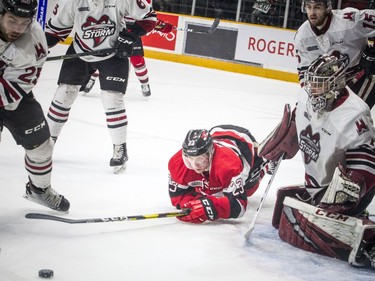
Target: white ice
point(183, 97)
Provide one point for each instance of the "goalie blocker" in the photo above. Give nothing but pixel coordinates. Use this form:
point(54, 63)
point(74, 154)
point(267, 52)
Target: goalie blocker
point(327, 233)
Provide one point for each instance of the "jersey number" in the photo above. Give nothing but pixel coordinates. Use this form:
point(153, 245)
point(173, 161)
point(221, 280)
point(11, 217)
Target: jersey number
point(31, 72)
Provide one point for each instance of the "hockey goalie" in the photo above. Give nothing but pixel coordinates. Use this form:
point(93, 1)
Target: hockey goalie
point(333, 128)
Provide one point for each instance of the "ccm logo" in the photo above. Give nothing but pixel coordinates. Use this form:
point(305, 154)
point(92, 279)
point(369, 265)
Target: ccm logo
point(116, 79)
point(208, 208)
point(35, 129)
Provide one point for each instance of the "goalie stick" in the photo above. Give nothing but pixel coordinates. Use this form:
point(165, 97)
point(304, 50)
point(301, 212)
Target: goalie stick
point(102, 52)
point(252, 224)
point(38, 216)
point(209, 30)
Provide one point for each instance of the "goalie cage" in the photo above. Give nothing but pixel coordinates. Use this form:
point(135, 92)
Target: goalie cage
point(330, 234)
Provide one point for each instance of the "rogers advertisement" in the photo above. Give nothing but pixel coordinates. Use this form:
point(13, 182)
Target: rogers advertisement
point(157, 39)
point(267, 46)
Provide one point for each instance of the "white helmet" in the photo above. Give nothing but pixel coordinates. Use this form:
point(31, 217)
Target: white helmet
point(325, 79)
point(327, 2)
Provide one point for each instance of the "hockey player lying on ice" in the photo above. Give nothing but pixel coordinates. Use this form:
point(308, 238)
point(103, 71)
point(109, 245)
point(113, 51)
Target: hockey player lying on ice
point(327, 214)
point(214, 173)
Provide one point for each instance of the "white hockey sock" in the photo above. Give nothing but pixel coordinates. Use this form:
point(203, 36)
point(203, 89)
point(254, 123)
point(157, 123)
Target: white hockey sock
point(38, 163)
point(58, 112)
point(117, 120)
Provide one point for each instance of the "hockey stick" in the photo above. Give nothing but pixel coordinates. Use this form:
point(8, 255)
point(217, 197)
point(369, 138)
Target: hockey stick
point(210, 30)
point(38, 216)
point(252, 224)
point(103, 52)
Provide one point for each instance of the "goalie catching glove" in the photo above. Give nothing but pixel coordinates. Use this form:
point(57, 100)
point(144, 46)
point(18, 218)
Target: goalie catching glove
point(200, 210)
point(282, 140)
point(344, 191)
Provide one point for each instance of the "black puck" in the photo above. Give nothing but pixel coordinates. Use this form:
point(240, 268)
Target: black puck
point(46, 273)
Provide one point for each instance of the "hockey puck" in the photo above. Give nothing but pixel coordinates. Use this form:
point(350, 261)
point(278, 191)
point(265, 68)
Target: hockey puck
point(46, 273)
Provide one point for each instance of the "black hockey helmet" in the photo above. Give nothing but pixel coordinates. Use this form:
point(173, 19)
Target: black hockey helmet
point(197, 142)
point(20, 8)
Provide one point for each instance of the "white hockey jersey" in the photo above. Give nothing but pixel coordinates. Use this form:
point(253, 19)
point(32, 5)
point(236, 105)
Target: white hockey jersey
point(96, 23)
point(344, 135)
point(21, 63)
point(346, 32)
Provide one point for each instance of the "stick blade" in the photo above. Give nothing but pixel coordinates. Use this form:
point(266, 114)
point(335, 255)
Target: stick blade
point(214, 26)
point(248, 234)
point(38, 216)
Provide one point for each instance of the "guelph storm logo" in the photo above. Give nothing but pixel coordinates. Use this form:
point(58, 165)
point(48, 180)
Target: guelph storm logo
point(309, 144)
point(98, 30)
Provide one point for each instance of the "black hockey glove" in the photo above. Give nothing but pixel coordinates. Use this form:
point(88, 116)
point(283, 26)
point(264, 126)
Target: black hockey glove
point(124, 44)
point(367, 62)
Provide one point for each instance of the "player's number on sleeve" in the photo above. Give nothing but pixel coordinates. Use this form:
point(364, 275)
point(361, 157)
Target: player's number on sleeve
point(238, 187)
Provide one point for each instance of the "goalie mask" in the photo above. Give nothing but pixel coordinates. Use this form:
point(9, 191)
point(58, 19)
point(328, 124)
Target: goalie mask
point(325, 79)
point(19, 8)
point(197, 150)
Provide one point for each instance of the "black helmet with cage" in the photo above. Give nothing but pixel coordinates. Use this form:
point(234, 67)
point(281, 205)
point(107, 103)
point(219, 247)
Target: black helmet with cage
point(197, 142)
point(19, 8)
point(324, 80)
point(328, 4)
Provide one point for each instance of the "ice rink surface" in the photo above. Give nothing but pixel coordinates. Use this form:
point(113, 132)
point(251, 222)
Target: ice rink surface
point(183, 98)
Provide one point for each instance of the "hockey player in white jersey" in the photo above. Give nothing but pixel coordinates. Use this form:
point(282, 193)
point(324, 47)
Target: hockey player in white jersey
point(98, 24)
point(23, 51)
point(345, 31)
point(327, 214)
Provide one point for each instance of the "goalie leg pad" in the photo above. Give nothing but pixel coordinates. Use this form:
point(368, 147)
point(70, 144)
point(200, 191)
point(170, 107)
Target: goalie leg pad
point(327, 233)
point(295, 191)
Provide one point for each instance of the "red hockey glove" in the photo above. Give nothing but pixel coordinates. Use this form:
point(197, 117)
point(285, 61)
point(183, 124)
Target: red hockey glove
point(201, 210)
point(163, 26)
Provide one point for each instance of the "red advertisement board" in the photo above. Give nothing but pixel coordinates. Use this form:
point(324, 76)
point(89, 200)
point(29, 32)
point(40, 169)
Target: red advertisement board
point(157, 39)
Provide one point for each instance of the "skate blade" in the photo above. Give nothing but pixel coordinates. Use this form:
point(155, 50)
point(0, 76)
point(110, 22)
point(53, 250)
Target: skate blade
point(119, 169)
point(41, 203)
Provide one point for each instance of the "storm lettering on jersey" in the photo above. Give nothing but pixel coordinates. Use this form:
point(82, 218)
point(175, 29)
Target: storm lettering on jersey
point(98, 30)
point(309, 145)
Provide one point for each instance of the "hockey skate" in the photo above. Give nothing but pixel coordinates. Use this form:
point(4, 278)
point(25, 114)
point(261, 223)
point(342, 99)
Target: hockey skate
point(46, 197)
point(146, 91)
point(119, 158)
